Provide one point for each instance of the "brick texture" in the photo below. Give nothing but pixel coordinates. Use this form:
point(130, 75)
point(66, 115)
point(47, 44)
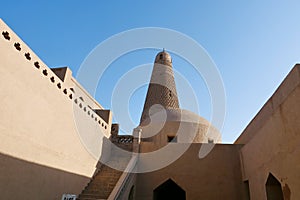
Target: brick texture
point(162, 88)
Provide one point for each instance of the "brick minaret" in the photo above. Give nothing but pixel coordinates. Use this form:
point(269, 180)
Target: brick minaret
point(162, 89)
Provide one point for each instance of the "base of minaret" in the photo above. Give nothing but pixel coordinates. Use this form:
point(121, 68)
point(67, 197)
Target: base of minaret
point(176, 126)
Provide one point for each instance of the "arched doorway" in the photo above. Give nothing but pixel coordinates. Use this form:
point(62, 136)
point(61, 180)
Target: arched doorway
point(169, 190)
point(273, 188)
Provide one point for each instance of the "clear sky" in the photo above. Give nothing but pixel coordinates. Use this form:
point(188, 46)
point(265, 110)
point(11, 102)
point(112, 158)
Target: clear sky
point(253, 43)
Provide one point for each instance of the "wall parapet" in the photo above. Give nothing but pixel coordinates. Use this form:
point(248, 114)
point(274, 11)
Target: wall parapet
point(289, 84)
point(60, 77)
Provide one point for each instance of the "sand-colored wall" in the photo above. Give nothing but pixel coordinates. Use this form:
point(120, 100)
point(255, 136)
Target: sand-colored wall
point(272, 141)
point(30, 181)
point(184, 132)
point(41, 123)
point(217, 176)
point(181, 125)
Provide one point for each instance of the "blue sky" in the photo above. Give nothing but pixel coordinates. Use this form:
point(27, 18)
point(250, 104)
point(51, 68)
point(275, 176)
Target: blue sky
point(253, 43)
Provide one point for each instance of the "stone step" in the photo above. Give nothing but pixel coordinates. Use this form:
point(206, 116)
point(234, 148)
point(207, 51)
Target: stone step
point(102, 183)
point(97, 191)
point(99, 188)
point(88, 199)
point(92, 196)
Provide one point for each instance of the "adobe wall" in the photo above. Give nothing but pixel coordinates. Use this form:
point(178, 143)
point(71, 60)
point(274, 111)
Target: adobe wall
point(43, 124)
point(216, 176)
point(34, 181)
point(183, 132)
point(272, 141)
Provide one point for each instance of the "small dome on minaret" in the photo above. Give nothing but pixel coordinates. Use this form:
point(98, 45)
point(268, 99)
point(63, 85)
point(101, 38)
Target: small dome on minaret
point(164, 58)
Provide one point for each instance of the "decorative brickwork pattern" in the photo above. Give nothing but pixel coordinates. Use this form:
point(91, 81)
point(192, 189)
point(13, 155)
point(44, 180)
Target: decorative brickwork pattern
point(162, 88)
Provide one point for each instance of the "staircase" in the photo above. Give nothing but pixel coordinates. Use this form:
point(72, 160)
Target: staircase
point(104, 181)
point(101, 185)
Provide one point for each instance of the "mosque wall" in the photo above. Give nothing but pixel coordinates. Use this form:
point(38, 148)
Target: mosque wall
point(44, 149)
point(52, 133)
point(272, 142)
point(216, 176)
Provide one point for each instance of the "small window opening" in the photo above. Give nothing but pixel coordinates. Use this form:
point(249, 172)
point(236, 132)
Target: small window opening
point(59, 85)
point(172, 139)
point(6, 35)
point(27, 55)
point(210, 140)
point(52, 79)
point(37, 64)
point(65, 91)
point(17, 46)
point(45, 72)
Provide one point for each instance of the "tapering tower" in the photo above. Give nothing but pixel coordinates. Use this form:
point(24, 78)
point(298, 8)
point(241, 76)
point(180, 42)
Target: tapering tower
point(162, 120)
point(162, 88)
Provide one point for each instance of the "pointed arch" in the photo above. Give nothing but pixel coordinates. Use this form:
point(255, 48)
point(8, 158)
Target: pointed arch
point(273, 188)
point(169, 190)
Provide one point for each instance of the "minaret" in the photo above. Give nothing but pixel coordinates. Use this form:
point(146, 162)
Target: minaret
point(162, 88)
point(162, 120)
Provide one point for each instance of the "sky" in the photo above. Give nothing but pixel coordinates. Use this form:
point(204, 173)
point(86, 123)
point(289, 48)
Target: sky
point(254, 45)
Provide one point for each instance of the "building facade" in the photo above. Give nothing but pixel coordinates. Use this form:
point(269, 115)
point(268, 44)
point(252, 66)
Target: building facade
point(56, 139)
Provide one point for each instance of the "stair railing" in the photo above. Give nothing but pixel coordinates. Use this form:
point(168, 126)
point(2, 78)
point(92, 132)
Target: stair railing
point(123, 184)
